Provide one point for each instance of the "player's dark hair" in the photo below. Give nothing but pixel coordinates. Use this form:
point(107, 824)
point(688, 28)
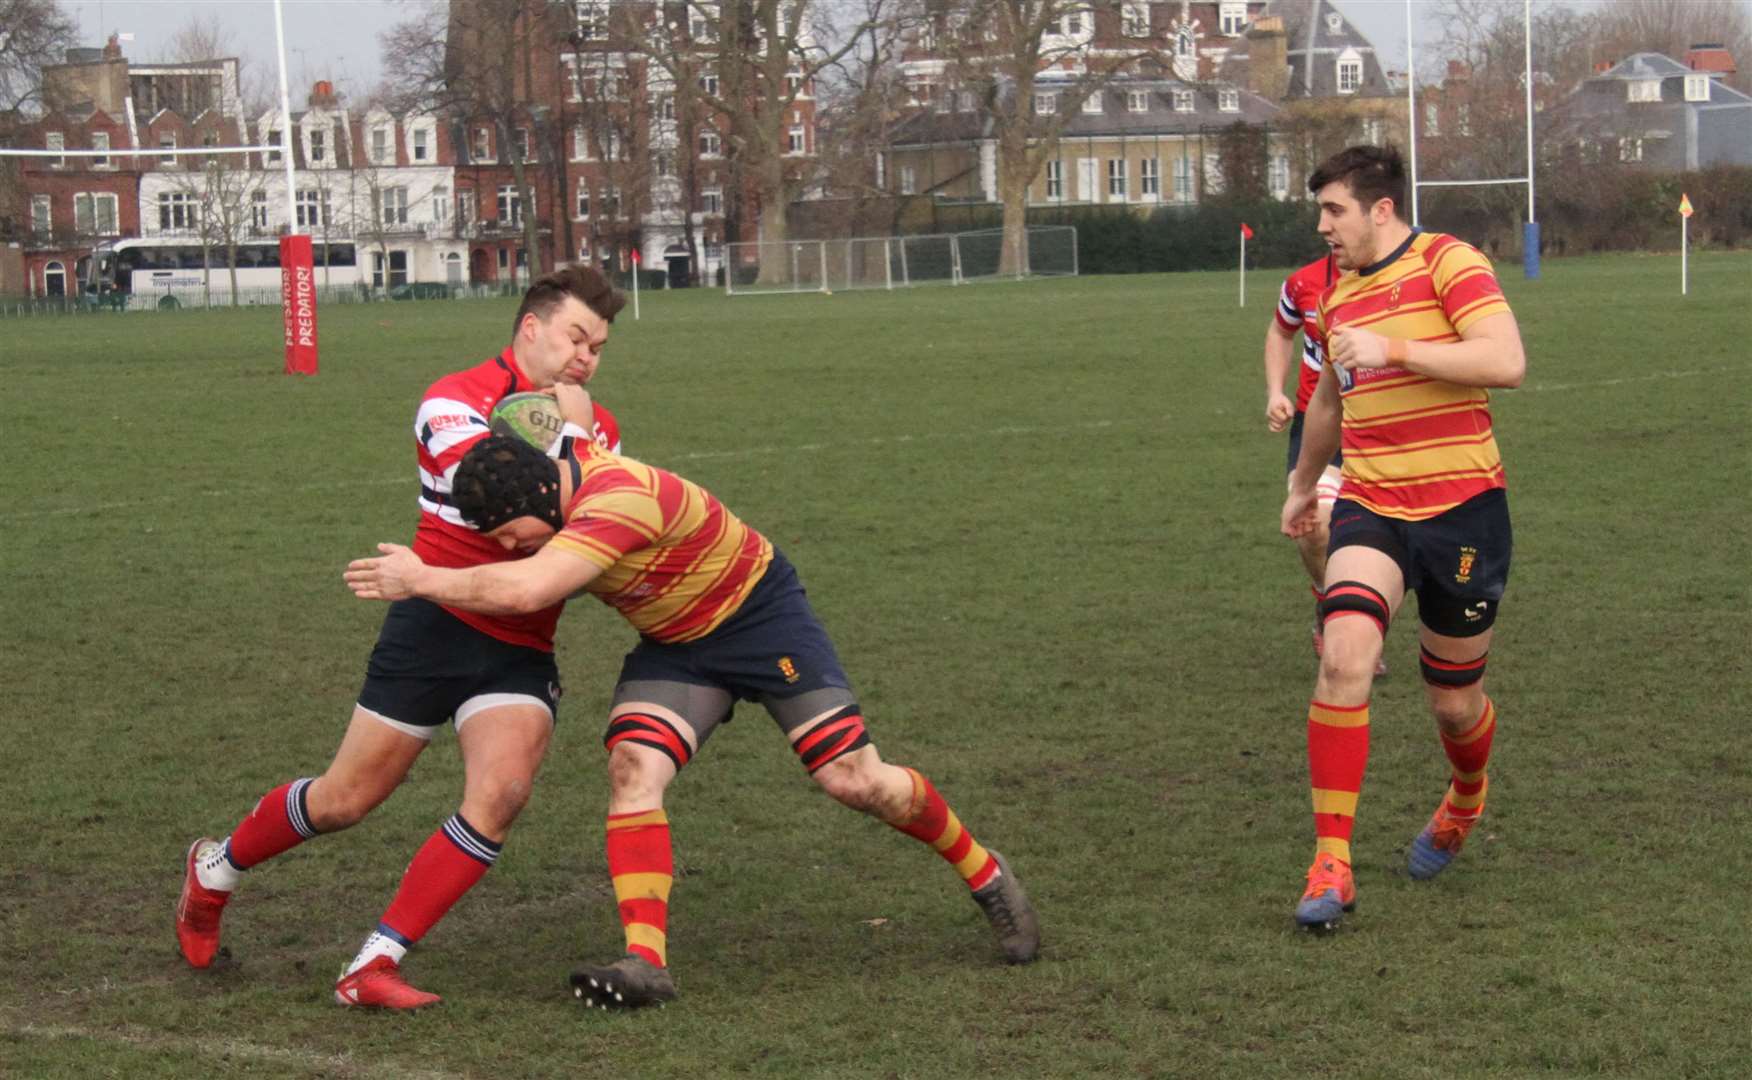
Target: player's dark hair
point(500, 479)
point(584, 282)
point(1372, 173)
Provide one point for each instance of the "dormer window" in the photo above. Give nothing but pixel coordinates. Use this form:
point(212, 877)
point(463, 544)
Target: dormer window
point(1137, 101)
point(1092, 103)
point(1134, 20)
point(1229, 100)
point(318, 145)
point(1232, 18)
point(1350, 73)
point(1072, 24)
point(1183, 101)
point(1045, 104)
point(1697, 88)
point(1645, 90)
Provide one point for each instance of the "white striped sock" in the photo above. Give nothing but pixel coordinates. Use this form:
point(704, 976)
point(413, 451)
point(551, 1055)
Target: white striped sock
point(214, 871)
point(376, 945)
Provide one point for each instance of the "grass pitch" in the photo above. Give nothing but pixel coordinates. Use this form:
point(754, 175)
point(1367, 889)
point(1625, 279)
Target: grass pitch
point(1040, 521)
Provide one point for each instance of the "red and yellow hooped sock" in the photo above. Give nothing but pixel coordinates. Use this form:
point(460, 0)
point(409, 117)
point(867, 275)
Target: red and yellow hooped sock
point(928, 818)
point(1469, 753)
point(642, 864)
point(1338, 754)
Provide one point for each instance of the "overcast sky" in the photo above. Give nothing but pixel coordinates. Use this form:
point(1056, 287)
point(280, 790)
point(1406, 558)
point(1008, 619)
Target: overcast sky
point(337, 39)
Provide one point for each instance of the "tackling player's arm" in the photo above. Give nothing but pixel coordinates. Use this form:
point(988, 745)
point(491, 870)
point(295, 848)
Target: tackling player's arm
point(1320, 439)
point(1488, 354)
point(1280, 353)
point(519, 587)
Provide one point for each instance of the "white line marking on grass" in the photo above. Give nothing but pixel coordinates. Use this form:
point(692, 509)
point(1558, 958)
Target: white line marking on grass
point(1650, 377)
point(699, 455)
point(211, 1048)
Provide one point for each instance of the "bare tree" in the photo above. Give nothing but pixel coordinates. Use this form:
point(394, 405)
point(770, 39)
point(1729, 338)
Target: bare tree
point(997, 48)
point(472, 58)
point(612, 105)
point(1671, 27)
point(748, 62)
point(33, 33)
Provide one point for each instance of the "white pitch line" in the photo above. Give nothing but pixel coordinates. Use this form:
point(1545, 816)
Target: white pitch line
point(210, 1048)
point(1650, 377)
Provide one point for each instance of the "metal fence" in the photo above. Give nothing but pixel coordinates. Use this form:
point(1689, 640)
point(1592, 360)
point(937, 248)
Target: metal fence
point(893, 262)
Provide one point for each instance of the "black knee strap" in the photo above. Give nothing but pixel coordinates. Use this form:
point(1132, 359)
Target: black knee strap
point(1450, 673)
point(838, 735)
point(1355, 598)
point(648, 730)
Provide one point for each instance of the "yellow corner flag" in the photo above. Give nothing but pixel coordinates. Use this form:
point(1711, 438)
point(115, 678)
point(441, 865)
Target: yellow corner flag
point(1684, 205)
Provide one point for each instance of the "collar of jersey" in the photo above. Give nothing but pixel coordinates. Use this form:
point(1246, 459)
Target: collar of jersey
point(1391, 259)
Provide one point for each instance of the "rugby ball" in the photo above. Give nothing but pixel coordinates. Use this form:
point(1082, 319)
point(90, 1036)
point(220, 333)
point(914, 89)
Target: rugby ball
point(529, 416)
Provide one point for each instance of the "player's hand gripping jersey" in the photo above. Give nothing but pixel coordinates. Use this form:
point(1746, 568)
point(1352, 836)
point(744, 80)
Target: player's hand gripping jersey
point(1414, 446)
point(674, 561)
point(1298, 309)
point(452, 418)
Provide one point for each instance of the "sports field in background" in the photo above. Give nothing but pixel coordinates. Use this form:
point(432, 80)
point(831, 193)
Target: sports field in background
point(1040, 521)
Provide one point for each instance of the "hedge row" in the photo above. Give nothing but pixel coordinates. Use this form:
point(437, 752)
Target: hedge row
point(1599, 209)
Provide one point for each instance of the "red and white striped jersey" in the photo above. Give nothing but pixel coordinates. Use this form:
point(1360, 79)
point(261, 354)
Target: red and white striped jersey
point(452, 418)
point(1298, 304)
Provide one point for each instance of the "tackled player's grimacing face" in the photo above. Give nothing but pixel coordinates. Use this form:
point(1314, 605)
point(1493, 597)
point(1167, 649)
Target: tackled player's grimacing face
point(524, 535)
point(567, 345)
point(1346, 225)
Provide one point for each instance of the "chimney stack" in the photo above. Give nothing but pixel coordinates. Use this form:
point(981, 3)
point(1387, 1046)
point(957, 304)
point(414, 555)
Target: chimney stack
point(1711, 57)
point(1268, 62)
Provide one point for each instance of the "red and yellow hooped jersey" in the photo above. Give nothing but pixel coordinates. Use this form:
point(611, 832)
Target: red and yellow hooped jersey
point(675, 563)
point(1414, 446)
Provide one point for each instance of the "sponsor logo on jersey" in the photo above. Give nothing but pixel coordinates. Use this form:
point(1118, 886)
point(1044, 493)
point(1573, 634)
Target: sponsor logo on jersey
point(447, 423)
point(1393, 297)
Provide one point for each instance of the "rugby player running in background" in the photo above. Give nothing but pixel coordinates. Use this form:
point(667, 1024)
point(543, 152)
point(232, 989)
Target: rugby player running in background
point(1415, 333)
point(721, 617)
point(492, 676)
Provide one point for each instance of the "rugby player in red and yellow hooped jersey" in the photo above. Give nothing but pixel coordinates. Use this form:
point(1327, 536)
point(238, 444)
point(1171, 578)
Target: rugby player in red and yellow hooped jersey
point(1415, 337)
point(722, 617)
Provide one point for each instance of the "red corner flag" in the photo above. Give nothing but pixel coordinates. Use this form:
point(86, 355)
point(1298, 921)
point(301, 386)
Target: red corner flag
point(635, 256)
point(1246, 233)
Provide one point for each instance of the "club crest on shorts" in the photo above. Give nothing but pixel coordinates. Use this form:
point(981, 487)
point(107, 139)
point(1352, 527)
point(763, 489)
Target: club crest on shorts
point(1467, 556)
point(788, 669)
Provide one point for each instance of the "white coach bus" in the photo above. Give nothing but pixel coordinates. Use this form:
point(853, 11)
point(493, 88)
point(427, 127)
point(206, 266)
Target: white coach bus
point(167, 272)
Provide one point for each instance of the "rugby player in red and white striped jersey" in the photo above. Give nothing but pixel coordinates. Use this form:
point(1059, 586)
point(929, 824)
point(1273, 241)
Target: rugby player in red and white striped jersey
point(1298, 304)
point(493, 678)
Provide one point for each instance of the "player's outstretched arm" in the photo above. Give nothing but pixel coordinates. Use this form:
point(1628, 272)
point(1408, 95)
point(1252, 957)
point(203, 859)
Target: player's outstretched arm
point(509, 588)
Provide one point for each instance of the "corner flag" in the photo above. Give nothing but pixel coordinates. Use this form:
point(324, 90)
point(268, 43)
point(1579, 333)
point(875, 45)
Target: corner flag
point(1246, 233)
point(1684, 206)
